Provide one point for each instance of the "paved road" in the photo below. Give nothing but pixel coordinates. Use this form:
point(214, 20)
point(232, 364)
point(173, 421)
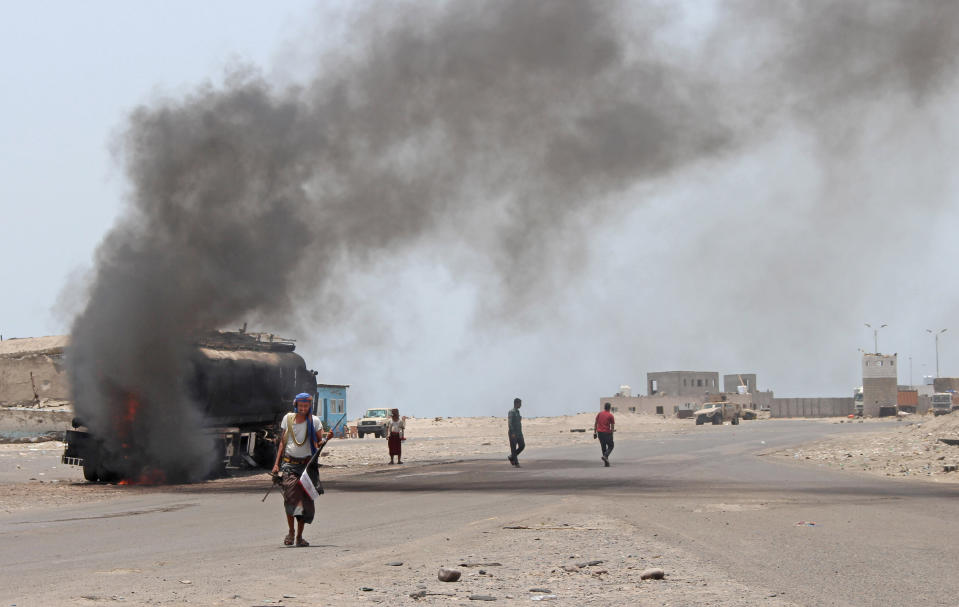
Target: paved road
point(875, 541)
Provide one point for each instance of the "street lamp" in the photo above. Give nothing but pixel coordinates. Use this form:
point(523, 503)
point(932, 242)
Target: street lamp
point(875, 335)
point(936, 334)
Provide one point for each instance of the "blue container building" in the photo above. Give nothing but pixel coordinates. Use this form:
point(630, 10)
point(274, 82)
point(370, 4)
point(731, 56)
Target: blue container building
point(330, 406)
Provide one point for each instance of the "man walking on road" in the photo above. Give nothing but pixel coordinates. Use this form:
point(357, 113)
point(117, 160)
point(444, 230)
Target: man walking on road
point(603, 429)
point(516, 442)
point(302, 437)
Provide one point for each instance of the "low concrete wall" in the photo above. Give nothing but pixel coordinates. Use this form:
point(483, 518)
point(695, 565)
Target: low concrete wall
point(17, 424)
point(651, 405)
point(811, 407)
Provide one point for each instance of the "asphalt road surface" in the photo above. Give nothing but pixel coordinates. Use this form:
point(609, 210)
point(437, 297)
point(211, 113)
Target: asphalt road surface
point(816, 536)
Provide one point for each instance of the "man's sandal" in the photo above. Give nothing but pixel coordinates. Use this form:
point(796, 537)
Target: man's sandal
point(288, 540)
point(302, 543)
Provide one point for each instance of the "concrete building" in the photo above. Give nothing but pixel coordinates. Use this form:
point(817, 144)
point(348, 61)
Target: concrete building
point(682, 383)
point(32, 371)
point(880, 384)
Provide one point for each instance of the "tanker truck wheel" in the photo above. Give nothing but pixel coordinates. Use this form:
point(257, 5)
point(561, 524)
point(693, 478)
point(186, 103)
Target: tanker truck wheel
point(264, 454)
point(700, 420)
point(108, 476)
point(90, 470)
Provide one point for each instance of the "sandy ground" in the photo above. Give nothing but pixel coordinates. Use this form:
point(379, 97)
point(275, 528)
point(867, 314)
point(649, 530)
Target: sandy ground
point(26, 467)
point(543, 554)
point(576, 550)
point(909, 448)
point(445, 439)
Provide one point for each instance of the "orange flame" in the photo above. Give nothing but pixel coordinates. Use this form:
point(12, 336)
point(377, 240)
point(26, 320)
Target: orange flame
point(150, 476)
point(124, 426)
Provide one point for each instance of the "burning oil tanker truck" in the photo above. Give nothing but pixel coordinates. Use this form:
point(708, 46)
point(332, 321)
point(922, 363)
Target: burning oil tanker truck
point(238, 384)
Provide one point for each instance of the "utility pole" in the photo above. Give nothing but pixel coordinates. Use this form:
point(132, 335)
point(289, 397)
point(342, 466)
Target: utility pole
point(875, 335)
point(936, 334)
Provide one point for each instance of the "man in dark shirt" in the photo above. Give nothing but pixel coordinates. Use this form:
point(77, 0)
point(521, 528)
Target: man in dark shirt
point(516, 442)
point(603, 429)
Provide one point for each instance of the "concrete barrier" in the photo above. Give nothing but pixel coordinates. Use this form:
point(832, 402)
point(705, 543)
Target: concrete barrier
point(811, 407)
point(17, 424)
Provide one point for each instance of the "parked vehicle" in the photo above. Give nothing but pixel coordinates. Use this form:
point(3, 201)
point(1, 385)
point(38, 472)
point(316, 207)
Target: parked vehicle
point(375, 422)
point(941, 403)
point(717, 413)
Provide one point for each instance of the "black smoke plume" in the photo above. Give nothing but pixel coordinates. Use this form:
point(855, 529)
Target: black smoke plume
point(520, 120)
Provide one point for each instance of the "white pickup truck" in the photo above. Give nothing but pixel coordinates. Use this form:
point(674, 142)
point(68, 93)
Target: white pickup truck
point(375, 422)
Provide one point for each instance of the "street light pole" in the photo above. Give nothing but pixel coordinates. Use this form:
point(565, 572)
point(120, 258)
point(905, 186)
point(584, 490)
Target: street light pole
point(936, 334)
point(875, 335)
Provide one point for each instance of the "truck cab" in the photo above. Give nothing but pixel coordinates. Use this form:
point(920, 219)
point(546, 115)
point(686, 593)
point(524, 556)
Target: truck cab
point(941, 403)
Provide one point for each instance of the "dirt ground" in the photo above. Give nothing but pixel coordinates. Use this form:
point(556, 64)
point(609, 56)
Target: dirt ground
point(575, 551)
point(444, 439)
point(31, 474)
point(908, 448)
point(544, 554)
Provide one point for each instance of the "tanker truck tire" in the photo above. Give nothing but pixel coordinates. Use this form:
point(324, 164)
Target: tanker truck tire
point(264, 454)
point(700, 420)
point(90, 470)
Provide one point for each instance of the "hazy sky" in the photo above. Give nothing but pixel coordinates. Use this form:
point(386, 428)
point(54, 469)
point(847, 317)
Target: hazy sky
point(836, 209)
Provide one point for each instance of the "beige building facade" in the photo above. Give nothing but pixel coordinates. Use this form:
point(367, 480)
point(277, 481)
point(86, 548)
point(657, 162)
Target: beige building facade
point(880, 384)
point(682, 383)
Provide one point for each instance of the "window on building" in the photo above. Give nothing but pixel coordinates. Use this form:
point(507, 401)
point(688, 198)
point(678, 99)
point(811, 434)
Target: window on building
point(337, 406)
point(659, 410)
point(684, 381)
point(632, 409)
point(699, 383)
point(892, 363)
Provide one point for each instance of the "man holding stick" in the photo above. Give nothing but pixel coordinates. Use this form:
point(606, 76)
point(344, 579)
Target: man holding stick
point(302, 437)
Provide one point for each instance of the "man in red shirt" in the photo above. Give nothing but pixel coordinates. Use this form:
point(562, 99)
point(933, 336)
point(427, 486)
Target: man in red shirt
point(603, 429)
